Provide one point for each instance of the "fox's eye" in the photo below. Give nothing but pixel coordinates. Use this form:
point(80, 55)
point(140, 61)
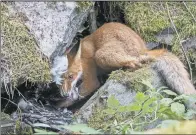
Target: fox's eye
point(70, 77)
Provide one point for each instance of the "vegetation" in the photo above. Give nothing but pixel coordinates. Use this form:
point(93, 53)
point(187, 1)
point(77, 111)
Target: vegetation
point(185, 127)
point(146, 18)
point(133, 79)
point(148, 108)
point(21, 59)
point(150, 18)
point(20, 130)
point(83, 5)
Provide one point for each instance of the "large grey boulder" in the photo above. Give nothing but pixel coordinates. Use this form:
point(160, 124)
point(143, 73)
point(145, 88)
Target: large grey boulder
point(47, 29)
point(123, 85)
point(53, 24)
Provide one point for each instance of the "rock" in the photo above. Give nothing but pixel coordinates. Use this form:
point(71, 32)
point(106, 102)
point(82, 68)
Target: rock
point(33, 112)
point(44, 30)
point(190, 43)
point(21, 59)
point(152, 45)
point(165, 36)
point(7, 125)
point(10, 126)
point(53, 24)
point(122, 85)
point(41, 116)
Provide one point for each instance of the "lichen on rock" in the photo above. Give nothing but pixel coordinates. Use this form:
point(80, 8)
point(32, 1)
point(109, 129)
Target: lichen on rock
point(133, 79)
point(146, 18)
point(22, 59)
point(149, 18)
point(83, 5)
point(123, 85)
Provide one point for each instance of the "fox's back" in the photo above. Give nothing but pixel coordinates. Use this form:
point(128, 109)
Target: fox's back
point(117, 32)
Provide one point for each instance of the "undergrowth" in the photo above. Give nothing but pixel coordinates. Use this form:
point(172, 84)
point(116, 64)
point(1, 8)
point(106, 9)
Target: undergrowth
point(148, 108)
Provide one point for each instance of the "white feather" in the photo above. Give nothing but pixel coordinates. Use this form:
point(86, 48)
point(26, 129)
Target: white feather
point(59, 67)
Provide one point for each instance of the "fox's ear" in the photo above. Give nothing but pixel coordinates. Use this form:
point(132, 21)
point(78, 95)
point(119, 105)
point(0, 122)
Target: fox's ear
point(71, 53)
point(72, 49)
point(68, 50)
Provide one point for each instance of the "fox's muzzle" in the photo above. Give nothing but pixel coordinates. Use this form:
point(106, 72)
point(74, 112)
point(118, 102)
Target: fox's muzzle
point(70, 90)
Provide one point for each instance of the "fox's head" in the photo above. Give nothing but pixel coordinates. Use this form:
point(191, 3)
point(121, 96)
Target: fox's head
point(72, 77)
point(71, 82)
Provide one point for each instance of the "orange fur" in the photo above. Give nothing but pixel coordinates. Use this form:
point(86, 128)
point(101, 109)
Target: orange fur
point(111, 47)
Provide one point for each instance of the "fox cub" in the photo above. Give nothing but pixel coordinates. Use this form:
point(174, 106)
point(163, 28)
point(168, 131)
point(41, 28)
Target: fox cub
point(113, 46)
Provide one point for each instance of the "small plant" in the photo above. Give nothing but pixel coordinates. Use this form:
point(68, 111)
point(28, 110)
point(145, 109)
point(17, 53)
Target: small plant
point(147, 108)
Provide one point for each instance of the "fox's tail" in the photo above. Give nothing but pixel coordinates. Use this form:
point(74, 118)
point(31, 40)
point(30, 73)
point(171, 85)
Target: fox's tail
point(173, 71)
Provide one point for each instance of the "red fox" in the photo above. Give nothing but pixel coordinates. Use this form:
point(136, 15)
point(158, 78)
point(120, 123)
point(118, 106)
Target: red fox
point(113, 46)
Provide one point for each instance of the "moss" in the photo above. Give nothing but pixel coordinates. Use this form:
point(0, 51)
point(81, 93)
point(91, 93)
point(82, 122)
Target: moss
point(4, 8)
point(192, 54)
point(138, 76)
point(6, 120)
point(184, 23)
point(101, 120)
point(117, 75)
point(146, 18)
point(22, 130)
point(83, 5)
point(97, 119)
point(133, 79)
point(4, 116)
point(19, 49)
point(149, 18)
point(18, 129)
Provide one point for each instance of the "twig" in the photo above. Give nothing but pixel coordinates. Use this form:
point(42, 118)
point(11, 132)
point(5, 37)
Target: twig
point(13, 104)
point(20, 94)
point(189, 11)
point(185, 55)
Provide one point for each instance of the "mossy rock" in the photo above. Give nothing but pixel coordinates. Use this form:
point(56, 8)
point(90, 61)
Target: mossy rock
point(133, 79)
point(123, 85)
point(145, 18)
point(22, 59)
point(23, 129)
point(150, 18)
point(83, 5)
point(7, 125)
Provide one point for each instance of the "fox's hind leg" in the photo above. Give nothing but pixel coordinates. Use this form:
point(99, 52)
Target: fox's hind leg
point(112, 57)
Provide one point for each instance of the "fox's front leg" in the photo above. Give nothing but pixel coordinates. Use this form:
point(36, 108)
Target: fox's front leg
point(90, 81)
